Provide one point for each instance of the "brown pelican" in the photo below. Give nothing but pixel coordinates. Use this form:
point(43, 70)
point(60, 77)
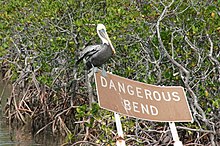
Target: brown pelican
point(97, 55)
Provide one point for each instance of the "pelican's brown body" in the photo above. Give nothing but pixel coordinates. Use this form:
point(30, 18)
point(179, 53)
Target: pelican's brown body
point(96, 55)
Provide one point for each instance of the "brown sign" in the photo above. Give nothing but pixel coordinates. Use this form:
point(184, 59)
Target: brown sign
point(144, 101)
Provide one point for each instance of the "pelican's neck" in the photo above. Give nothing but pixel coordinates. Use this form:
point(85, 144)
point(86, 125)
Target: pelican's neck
point(104, 41)
point(104, 37)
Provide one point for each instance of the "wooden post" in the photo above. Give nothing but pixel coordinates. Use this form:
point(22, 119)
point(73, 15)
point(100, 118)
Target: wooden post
point(174, 133)
point(120, 139)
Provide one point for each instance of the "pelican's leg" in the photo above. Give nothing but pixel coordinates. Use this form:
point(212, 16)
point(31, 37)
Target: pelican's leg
point(95, 69)
point(103, 71)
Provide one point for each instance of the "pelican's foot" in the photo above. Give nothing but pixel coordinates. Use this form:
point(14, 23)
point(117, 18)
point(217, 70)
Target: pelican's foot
point(104, 74)
point(95, 69)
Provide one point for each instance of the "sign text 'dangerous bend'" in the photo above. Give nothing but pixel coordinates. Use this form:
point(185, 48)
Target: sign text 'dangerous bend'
point(139, 100)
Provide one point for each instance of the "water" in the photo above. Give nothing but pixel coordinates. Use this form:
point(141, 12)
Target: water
point(21, 135)
point(15, 136)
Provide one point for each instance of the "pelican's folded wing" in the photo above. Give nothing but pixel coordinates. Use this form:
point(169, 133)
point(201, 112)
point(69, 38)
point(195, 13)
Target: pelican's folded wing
point(88, 52)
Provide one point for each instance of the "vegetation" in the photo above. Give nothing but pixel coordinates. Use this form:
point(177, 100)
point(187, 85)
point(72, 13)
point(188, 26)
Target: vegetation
point(157, 42)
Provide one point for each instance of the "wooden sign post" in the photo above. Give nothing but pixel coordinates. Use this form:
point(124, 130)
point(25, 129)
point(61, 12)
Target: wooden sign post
point(174, 133)
point(143, 101)
point(120, 139)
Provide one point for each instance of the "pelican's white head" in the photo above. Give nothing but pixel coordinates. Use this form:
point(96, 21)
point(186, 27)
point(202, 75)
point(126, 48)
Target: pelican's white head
point(101, 30)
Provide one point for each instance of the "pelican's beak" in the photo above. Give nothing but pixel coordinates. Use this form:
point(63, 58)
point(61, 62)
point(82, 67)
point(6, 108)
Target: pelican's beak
point(104, 35)
point(110, 43)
